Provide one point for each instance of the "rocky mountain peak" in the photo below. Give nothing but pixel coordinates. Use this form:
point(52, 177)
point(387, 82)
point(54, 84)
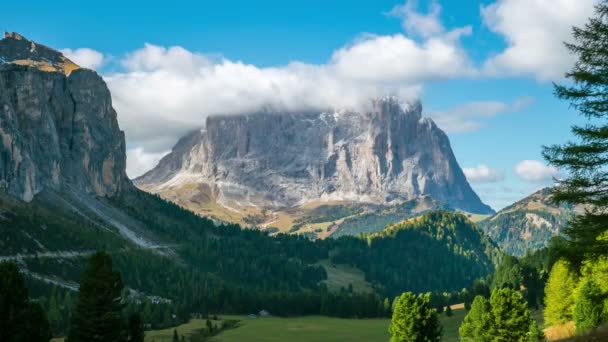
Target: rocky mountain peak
point(57, 125)
point(386, 154)
point(14, 48)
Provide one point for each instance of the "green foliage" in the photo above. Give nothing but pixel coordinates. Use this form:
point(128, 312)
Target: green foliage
point(585, 158)
point(508, 274)
point(399, 258)
point(20, 319)
point(98, 315)
point(476, 323)
point(414, 320)
point(559, 299)
point(588, 307)
point(505, 317)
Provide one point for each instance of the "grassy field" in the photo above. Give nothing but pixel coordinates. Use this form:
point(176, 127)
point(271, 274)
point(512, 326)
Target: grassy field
point(309, 328)
point(301, 329)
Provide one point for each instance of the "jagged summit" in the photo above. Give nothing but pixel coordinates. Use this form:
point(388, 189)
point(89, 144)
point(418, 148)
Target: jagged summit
point(16, 49)
point(57, 125)
point(385, 154)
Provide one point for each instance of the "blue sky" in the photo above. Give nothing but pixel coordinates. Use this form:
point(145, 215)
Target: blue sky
point(492, 93)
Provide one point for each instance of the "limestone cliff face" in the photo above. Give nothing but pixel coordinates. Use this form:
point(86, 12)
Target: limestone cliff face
point(386, 154)
point(57, 125)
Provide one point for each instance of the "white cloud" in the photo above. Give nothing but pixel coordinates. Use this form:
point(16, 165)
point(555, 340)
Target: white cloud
point(483, 174)
point(471, 116)
point(164, 92)
point(414, 22)
point(138, 162)
point(85, 57)
point(534, 31)
point(535, 171)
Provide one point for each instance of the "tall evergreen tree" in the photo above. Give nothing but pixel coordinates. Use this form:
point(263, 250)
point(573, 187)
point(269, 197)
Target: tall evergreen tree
point(559, 299)
point(414, 320)
point(586, 157)
point(20, 319)
point(505, 317)
point(476, 323)
point(98, 314)
point(136, 328)
point(508, 274)
point(588, 307)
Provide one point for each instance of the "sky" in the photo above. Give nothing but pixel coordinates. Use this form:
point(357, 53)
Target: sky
point(484, 70)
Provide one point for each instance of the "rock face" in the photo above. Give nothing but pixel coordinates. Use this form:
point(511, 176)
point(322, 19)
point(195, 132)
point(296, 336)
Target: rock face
point(57, 125)
point(386, 154)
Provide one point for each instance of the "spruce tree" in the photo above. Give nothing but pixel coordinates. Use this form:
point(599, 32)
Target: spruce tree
point(588, 307)
point(476, 323)
point(505, 317)
point(414, 320)
point(585, 158)
point(20, 319)
point(136, 328)
point(511, 317)
point(559, 299)
point(98, 315)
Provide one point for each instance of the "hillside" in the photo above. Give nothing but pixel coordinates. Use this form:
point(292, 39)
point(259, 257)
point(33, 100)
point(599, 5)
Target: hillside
point(399, 257)
point(64, 194)
point(528, 224)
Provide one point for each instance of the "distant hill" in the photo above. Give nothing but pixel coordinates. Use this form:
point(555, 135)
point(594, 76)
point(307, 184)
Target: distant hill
point(528, 224)
point(440, 247)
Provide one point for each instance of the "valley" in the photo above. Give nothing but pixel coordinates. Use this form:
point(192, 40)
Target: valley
point(300, 202)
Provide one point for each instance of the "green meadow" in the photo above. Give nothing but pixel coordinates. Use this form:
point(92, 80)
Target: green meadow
point(296, 329)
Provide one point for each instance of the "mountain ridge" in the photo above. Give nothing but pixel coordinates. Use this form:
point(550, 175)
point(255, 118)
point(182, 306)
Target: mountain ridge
point(388, 154)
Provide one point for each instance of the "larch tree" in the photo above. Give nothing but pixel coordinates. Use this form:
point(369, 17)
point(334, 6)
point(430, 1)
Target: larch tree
point(559, 294)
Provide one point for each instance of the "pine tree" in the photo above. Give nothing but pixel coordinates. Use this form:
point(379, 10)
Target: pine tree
point(511, 317)
point(414, 320)
point(136, 328)
point(98, 314)
point(588, 307)
point(476, 323)
point(505, 317)
point(559, 300)
point(175, 336)
point(20, 319)
point(508, 274)
point(586, 157)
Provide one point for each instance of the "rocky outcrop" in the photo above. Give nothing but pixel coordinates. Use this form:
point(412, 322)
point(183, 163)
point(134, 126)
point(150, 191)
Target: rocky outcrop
point(386, 154)
point(57, 125)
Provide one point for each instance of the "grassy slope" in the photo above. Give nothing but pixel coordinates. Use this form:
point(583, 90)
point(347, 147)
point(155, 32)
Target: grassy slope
point(339, 276)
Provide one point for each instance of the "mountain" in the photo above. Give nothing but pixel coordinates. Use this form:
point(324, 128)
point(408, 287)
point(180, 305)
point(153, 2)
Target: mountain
point(387, 154)
point(529, 223)
point(54, 134)
point(64, 194)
